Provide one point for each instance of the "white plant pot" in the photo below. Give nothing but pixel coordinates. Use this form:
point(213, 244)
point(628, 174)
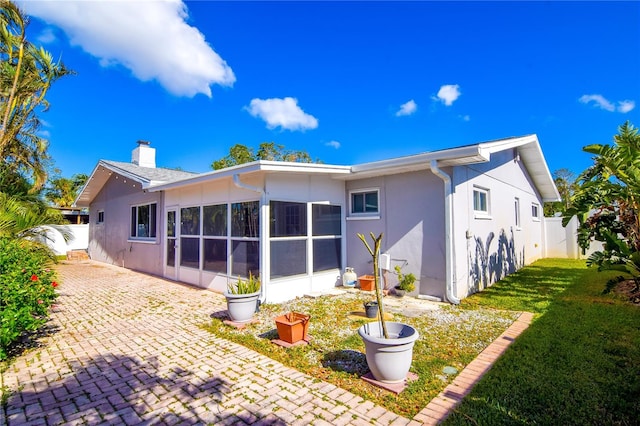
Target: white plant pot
point(389, 359)
point(242, 307)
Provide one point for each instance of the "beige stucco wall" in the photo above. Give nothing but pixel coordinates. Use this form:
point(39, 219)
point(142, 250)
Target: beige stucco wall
point(109, 241)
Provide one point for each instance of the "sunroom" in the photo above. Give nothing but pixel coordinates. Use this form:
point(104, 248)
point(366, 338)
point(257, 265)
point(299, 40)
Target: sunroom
point(283, 222)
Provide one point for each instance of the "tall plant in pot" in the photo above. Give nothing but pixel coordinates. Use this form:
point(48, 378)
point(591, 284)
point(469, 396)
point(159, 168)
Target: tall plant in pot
point(242, 298)
point(388, 345)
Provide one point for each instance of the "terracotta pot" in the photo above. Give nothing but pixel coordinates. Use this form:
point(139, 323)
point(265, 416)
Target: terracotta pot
point(293, 327)
point(367, 282)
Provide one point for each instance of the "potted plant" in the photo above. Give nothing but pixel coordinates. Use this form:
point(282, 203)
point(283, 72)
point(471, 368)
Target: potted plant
point(242, 299)
point(406, 282)
point(388, 346)
point(293, 327)
point(371, 309)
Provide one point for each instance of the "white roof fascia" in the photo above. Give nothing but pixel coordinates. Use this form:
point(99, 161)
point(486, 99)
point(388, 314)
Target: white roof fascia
point(256, 166)
point(93, 178)
point(447, 157)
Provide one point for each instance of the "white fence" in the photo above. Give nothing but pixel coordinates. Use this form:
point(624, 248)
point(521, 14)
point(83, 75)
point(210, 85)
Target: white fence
point(562, 241)
point(79, 240)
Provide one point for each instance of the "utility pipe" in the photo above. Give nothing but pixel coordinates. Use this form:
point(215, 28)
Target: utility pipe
point(448, 234)
point(262, 224)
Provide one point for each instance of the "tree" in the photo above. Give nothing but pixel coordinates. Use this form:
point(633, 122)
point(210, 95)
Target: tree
point(269, 151)
point(607, 202)
point(26, 74)
point(62, 192)
point(565, 181)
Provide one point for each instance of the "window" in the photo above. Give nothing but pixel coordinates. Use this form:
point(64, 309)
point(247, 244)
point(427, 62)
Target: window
point(100, 216)
point(294, 243)
point(190, 237)
point(190, 221)
point(481, 201)
point(535, 211)
point(326, 234)
point(517, 212)
point(244, 219)
point(288, 219)
point(365, 202)
point(143, 221)
point(214, 220)
point(214, 230)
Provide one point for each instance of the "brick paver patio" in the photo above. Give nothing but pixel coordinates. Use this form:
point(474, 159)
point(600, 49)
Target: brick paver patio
point(127, 349)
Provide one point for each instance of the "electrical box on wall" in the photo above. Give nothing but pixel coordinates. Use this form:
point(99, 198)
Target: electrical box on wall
point(385, 262)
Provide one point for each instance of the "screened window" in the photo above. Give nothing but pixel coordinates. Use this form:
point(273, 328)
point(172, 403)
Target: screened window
point(245, 219)
point(517, 212)
point(364, 202)
point(190, 221)
point(245, 258)
point(143, 221)
point(214, 220)
point(101, 216)
point(288, 219)
point(327, 254)
point(288, 257)
point(215, 255)
point(481, 200)
point(327, 219)
point(190, 252)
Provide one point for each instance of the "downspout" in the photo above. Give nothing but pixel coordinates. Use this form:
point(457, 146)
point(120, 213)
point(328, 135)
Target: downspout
point(448, 234)
point(262, 224)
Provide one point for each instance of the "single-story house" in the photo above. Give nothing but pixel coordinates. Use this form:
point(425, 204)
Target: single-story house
point(458, 219)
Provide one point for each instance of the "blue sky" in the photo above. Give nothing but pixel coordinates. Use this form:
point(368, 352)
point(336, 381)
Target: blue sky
point(349, 82)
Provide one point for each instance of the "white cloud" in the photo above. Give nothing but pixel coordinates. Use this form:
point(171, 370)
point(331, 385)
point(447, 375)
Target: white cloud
point(333, 144)
point(150, 38)
point(600, 101)
point(407, 108)
point(626, 106)
point(448, 94)
point(465, 117)
point(47, 36)
point(282, 112)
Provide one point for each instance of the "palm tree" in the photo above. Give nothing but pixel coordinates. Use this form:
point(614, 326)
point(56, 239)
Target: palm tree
point(26, 74)
point(62, 192)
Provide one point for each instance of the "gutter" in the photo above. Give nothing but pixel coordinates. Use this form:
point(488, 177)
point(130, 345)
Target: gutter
point(263, 223)
point(448, 237)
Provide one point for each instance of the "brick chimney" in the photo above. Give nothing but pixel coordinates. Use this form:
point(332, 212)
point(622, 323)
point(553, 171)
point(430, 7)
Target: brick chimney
point(144, 155)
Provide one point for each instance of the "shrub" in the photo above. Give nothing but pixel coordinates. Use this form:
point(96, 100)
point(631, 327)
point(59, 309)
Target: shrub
point(27, 290)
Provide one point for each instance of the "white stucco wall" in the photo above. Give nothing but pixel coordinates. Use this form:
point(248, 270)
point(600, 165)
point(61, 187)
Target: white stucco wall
point(412, 220)
point(492, 246)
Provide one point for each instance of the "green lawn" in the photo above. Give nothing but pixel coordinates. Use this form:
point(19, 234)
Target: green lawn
point(578, 363)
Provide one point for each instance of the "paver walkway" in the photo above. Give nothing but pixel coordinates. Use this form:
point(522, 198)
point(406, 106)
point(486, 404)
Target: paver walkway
point(127, 349)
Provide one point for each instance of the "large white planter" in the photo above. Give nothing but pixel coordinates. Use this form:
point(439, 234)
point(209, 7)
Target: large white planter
point(389, 359)
point(242, 307)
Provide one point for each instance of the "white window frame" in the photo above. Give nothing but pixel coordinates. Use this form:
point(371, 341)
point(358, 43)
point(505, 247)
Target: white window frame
point(518, 215)
point(535, 212)
point(363, 215)
point(155, 219)
point(481, 214)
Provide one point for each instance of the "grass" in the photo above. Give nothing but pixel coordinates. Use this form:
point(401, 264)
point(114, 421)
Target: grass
point(449, 336)
point(578, 363)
